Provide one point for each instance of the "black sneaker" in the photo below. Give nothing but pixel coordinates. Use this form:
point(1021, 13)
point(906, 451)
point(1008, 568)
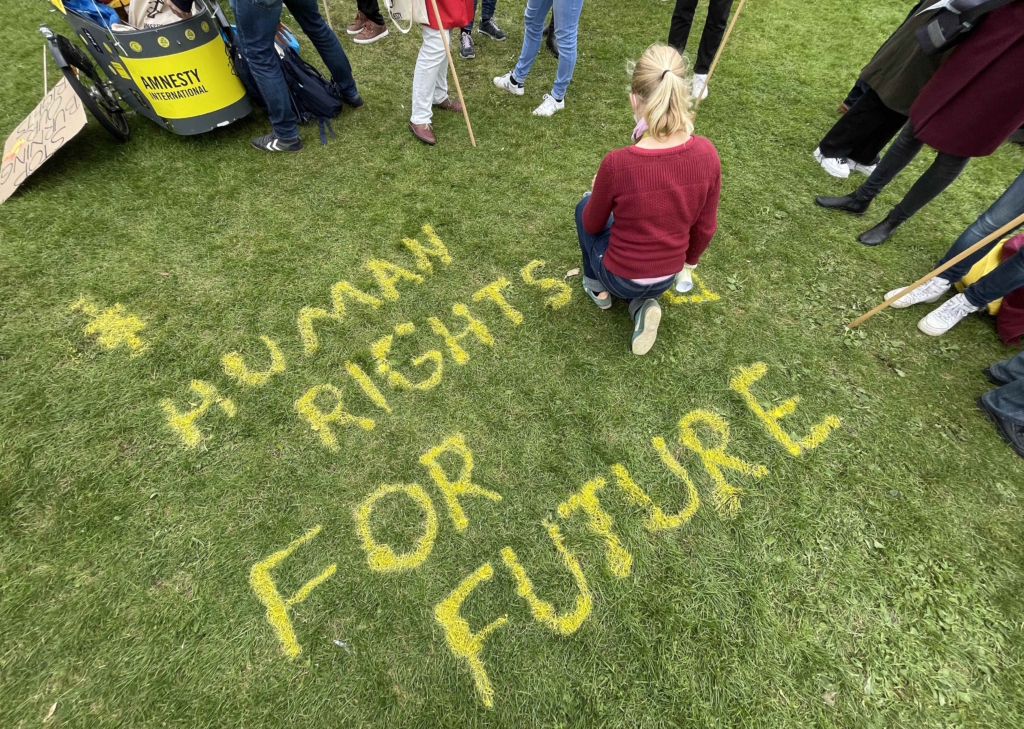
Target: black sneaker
point(466, 45)
point(354, 101)
point(488, 28)
point(1011, 431)
point(550, 40)
point(272, 143)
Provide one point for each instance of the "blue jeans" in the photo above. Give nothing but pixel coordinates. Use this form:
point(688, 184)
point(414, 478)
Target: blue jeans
point(257, 21)
point(1010, 273)
point(1008, 400)
point(567, 21)
point(598, 278)
point(487, 14)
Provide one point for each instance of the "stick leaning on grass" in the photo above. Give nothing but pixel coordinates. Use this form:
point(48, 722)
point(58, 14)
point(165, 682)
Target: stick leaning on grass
point(327, 12)
point(1019, 220)
point(721, 47)
point(451, 65)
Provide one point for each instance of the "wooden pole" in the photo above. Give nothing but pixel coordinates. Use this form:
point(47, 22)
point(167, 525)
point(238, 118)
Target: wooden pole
point(327, 14)
point(451, 65)
point(721, 47)
point(1019, 220)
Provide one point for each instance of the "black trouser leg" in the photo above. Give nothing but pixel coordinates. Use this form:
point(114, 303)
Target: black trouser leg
point(899, 155)
point(682, 19)
point(711, 38)
point(938, 177)
point(371, 9)
point(863, 131)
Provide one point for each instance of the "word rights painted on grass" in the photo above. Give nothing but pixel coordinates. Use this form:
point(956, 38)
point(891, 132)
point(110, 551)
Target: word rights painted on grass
point(322, 410)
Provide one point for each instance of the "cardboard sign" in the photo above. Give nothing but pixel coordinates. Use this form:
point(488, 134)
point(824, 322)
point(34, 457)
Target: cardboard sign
point(57, 118)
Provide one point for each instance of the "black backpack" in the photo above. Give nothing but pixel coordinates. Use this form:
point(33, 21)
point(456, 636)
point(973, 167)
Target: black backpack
point(312, 95)
point(955, 20)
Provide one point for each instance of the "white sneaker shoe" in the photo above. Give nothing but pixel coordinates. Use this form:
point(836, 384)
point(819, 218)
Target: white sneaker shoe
point(947, 316)
point(549, 106)
point(699, 87)
point(858, 167)
point(835, 166)
point(927, 293)
point(505, 82)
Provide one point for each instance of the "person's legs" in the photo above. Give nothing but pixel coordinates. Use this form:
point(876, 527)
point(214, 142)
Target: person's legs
point(940, 175)
point(1008, 276)
point(487, 11)
point(682, 20)
point(256, 21)
point(476, 4)
point(1009, 370)
point(430, 63)
point(307, 15)
point(1005, 405)
point(567, 22)
point(533, 20)
point(592, 247)
point(711, 38)
point(1009, 205)
point(898, 156)
point(371, 9)
point(863, 130)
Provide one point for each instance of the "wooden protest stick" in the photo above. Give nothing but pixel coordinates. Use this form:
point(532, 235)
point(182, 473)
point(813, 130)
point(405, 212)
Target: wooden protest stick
point(327, 13)
point(721, 47)
point(451, 65)
point(1019, 220)
point(46, 86)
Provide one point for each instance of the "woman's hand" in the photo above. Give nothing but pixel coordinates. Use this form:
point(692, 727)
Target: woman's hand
point(592, 182)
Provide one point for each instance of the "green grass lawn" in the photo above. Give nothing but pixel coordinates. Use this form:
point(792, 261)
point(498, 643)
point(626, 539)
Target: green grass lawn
point(874, 580)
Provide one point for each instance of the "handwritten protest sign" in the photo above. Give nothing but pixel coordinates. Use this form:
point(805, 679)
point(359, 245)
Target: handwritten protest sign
point(57, 118)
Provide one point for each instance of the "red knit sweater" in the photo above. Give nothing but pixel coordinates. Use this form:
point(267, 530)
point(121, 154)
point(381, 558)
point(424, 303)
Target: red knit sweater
point(665, 203)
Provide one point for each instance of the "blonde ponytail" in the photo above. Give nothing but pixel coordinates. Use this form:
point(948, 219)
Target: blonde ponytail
point(660, 84)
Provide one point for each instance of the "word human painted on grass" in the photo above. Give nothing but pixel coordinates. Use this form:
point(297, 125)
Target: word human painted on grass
point(454, 336)
point(703, 437)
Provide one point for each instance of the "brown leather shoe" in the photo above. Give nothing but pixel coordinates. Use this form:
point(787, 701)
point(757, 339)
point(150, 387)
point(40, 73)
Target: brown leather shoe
point(370, 33)
point(423, 132)
point(357, 24)
point(449, 104)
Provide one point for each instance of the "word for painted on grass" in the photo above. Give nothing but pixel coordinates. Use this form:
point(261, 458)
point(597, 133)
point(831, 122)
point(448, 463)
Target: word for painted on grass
point(449, 337)
point(701, 446)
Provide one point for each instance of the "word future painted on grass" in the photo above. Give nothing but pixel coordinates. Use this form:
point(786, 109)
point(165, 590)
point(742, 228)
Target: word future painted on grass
point(322, 406)
point(582, 509)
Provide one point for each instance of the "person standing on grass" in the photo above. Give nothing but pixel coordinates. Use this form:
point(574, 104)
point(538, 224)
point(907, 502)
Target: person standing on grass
point(566, 14)
point(257, 21)
point(654, 205)
point(369, 26)
point(430, 79)
point(1007, 277)
point(487, 27)
point(972, 104)
point(888, 86)
point(1005, 405)
point(710, 39)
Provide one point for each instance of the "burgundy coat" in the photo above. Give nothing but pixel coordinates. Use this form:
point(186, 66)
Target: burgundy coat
point(1010, 319)
point(976, 99)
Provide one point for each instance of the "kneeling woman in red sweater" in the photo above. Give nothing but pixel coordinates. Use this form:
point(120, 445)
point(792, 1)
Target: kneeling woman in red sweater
point(654, 205)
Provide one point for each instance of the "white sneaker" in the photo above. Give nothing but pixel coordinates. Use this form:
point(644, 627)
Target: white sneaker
point(549, 106)
point(858, 167)
point(699, 86)
point(684, 281)
point(835, 166)
point(505, 82)
point(947, 316)
point(927, 293)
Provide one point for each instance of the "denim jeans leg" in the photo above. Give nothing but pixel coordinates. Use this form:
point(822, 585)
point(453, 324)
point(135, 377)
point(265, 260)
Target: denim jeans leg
point(567, 23)
point(1010, 370)
point(487, 13)
point(1009, 205)
point(1007, 400)
point(469, 28)
point(257, 21)
point(307, 15)
point(533, 28)
point(1008, 276)
point(592, 248)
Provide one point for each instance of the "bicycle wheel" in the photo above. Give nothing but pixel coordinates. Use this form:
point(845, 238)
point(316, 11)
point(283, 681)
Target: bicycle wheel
point(97, 94)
